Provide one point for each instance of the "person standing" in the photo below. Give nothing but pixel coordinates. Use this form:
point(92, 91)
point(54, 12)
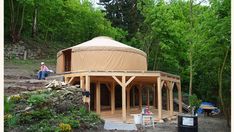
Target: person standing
point(43, 72)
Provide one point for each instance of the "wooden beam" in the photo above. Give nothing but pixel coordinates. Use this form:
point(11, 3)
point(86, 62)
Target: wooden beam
point(148, 100)
point(179, 96)
point(170, 79)
point(159, 98)
point(130, 80)
point(70, 80)
point(133, 97)
point(82, 86)
point(140, 97)
point(124, 114)
point(168, 99)
point(128, 99)
point(154, 103)
point(87, 86)
point(117, 80)
point(161, 83)
point(171, 101)
point(98, 98)
point(112, 98)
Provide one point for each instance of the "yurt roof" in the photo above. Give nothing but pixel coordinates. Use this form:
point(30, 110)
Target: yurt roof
point(104, 43)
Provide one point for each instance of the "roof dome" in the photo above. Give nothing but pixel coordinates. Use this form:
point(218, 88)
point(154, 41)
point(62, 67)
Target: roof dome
point(105, 43)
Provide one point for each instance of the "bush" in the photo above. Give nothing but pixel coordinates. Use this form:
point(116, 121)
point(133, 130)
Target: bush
point(194, 102)
point(10, 120)
point(64, 127)
point(38, 99)
point(8, 105)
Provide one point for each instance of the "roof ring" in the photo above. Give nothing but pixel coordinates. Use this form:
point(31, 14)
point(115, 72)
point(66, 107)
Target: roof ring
point(103, 37)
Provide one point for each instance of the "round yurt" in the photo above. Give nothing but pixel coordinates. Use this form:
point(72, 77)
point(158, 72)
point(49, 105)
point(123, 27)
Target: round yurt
point(101, 54)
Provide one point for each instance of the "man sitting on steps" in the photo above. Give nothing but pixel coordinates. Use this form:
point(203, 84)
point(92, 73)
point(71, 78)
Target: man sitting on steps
point(44, 71)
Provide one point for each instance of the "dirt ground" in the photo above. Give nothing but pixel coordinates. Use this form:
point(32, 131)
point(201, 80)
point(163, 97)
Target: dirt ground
point(15, 74)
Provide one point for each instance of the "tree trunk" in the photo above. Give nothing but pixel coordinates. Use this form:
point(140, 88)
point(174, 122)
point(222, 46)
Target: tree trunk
point(220, 81)
point(191, 50)
point(34, 25)
point(22, 21)
point(191, 70)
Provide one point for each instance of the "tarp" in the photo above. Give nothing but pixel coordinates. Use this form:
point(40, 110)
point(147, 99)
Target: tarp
point(208, 104)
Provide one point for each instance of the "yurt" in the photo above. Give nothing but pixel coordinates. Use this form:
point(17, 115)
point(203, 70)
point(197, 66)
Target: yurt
point(115, 80)
point(101, 53)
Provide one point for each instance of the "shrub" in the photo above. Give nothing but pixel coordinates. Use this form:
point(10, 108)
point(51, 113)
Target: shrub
point(64, 127)
point(194, 102)
point(38, 99)
point(8, 105)
point(10, 120)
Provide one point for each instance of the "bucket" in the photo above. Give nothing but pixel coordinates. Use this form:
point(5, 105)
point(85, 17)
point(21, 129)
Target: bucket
point(137, 118)
point(187, 123)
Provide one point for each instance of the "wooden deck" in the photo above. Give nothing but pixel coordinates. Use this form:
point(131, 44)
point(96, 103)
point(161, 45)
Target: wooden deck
point(117, 116)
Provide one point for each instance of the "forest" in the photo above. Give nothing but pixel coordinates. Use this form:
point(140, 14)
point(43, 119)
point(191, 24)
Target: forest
point(190, 38)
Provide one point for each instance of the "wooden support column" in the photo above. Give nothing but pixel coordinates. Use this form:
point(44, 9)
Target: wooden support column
point(112, 98)
point(148, 100)
point(160, 84)
point(171, 98)
point(168, 101)
point(140, 97)
point(98, 98)
point(156, 96)
point(133, 97)
point(123, 84)
point(87, 86)
point(179, 96)
point(154, 103)
point(82, 85)
point(124, 113)
point(128, 99)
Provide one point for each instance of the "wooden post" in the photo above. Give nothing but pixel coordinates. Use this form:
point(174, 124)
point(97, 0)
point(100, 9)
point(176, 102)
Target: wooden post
point(87, 86)
point(154, 103)
point(159, 98)
point(124, 114)
point(168, 101)
point(171, 99)
point(128, 99)
point(148, 100)
point(156, 97)
point(179, 96)
point(140, 97)
point(82, 86)
point(113, 98)
point(133, 97)
point(98, 98)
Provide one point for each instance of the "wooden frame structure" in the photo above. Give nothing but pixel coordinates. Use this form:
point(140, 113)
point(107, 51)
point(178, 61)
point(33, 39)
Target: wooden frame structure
point(127, 79)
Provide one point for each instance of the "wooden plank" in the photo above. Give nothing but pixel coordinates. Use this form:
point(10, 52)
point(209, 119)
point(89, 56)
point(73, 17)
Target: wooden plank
point(82, 86)
point(129, 81)
point(148, 98)
point(117, 80)
point(133, 98)
point(69, 82)
point(124, 116)
point(168, 99)
point(112, 98)
point(159, 98)
point(171, 101)
point(179, 96)
point(128, 99)
point(87, 86)
point(98, 98)
point(170, 79)
point(140, 96)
